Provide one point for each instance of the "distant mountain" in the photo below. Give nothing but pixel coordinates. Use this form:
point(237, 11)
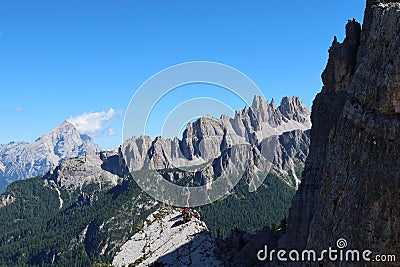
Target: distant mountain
point(210, 138)
point(21, 160)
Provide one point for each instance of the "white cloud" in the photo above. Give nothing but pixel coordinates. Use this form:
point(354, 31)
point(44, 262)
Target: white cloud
point(110, 132)
point(94, 123)
point(17, 109)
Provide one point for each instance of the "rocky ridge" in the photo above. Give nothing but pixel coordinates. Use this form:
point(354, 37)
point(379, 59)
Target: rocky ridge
point(165, 241)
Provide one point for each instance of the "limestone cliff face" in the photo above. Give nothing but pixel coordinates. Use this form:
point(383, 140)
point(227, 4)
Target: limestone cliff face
point(351, 179)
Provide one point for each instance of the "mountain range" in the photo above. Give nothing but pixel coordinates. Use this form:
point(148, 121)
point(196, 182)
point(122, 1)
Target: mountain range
point(214, 140)
point(94, 205)
point(348, 200)
point(88, 210)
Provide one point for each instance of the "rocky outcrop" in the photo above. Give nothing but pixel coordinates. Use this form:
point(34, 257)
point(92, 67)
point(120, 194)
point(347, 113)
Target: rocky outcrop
point(100, 168)
point(351, 177)
point(165, 241)
point(20, 160)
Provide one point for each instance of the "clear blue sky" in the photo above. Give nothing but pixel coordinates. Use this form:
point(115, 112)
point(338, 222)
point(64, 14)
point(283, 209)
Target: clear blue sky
point(63, 58)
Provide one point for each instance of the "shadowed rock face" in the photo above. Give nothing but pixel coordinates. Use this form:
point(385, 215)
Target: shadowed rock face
point(351, 179)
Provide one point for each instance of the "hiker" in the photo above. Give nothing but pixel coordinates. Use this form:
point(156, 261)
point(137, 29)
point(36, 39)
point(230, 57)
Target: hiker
point(186, 214)
point(196, 214)
point(185, 210)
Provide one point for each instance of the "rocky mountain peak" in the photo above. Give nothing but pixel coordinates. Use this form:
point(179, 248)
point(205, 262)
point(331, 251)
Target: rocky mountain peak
point(290, 108)
point(294, 109)
point(259, 103)
point(342, 59)
point(20, 160)
point(65, 141)
point(64, 128)
point(272, 104)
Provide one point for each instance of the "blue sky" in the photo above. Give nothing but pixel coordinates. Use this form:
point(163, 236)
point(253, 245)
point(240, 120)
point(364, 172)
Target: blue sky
point(62, 59)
